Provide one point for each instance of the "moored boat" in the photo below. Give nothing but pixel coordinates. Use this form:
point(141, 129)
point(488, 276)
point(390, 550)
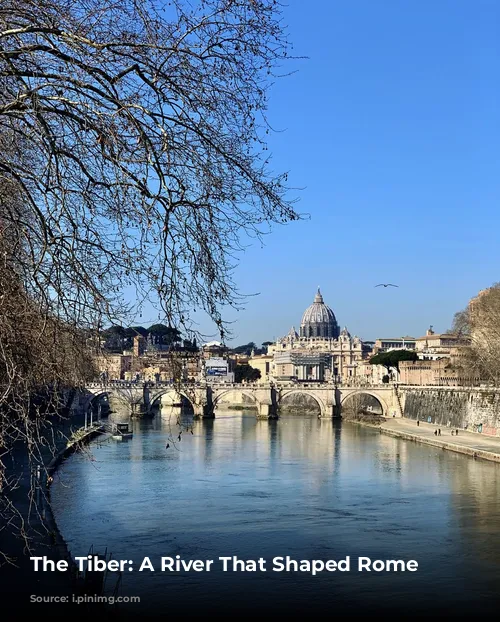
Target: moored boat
point(122, 431)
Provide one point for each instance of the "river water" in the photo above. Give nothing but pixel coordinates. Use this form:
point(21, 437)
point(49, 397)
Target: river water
point(302, 487)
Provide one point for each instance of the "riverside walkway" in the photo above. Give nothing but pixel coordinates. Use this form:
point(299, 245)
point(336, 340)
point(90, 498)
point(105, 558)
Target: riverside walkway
point(470, 443)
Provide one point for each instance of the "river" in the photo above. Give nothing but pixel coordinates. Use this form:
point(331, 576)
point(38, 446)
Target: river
point(300, 486)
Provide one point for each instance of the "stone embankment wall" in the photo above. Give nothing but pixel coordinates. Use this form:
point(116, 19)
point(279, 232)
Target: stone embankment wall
point(475, 409)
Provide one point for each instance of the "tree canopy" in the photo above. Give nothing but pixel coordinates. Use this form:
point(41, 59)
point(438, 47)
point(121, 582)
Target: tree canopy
point(245, 348)
point(246, 373)
point(117, 331)
point(165, 334)
point(393, 358)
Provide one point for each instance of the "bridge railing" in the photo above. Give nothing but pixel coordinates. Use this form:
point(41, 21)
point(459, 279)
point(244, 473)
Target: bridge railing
point(141, 384)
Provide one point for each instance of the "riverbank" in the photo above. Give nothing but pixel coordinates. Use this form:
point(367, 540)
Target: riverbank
point(18, 580)
point(469, 443)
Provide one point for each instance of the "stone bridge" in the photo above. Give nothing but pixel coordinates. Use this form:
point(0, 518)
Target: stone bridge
point(140, 397)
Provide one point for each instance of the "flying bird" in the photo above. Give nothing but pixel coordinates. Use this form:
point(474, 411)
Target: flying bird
point(386, 285)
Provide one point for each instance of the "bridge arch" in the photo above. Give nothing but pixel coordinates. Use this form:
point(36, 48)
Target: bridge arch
point(154, 398)
point(320, 402)
point(111, 392)
point(345, 397)
point(216, 399)
point(92, 397)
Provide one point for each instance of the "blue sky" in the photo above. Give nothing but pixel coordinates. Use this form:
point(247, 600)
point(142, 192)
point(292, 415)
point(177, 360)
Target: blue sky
point(392, 130)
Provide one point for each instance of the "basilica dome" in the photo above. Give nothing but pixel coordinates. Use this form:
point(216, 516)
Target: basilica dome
point(319, 320)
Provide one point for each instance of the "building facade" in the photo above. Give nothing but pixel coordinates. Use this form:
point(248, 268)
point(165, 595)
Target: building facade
point(320, 352)
point(217, 369)
point(264, 363)
point(394, 343)
point(432, 346)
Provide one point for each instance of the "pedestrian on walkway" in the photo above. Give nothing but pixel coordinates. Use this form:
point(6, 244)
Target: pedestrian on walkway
point(439, 432)
point(452, 432)
point(456, 432)
point(418, 422)
point(435, 432)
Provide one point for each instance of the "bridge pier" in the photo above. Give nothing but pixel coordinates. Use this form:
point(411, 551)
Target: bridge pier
point(203, 411)
point(138, 409)
point(330, 411)
point(266, 411)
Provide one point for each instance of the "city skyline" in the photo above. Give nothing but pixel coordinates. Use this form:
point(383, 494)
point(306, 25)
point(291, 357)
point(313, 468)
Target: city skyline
point(296, 315)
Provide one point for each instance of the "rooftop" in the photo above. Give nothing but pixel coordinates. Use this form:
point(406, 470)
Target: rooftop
point(439, 336)
point(407, 338)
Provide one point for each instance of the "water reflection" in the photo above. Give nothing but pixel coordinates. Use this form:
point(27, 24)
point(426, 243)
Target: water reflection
point(298, 486)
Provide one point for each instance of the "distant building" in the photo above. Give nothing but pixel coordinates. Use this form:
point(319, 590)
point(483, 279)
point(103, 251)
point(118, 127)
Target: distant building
point(139, 346)
point(374, 374)
point(431, 344)
point(394, 343)
point(321, 352)
point(181, 364)
point(302, 365)
point(218, 369)
point(441, 372)
point(161, 366)
point(262, 362)
point(113, 366)
point(213, 348)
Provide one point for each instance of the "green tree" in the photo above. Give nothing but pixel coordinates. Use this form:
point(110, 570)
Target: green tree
point(165, 335)
point(115, 338)
point(246, 373)
point(115, 331)
point(132, 332)
point(245, 348)
point(393, 358)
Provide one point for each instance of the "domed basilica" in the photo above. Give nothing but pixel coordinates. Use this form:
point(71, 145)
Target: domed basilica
point(321, 352)
point(319, 320)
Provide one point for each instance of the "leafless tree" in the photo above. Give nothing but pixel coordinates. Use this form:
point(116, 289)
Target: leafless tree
point(132, 159)
point(480, 323)
point(134, 133)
